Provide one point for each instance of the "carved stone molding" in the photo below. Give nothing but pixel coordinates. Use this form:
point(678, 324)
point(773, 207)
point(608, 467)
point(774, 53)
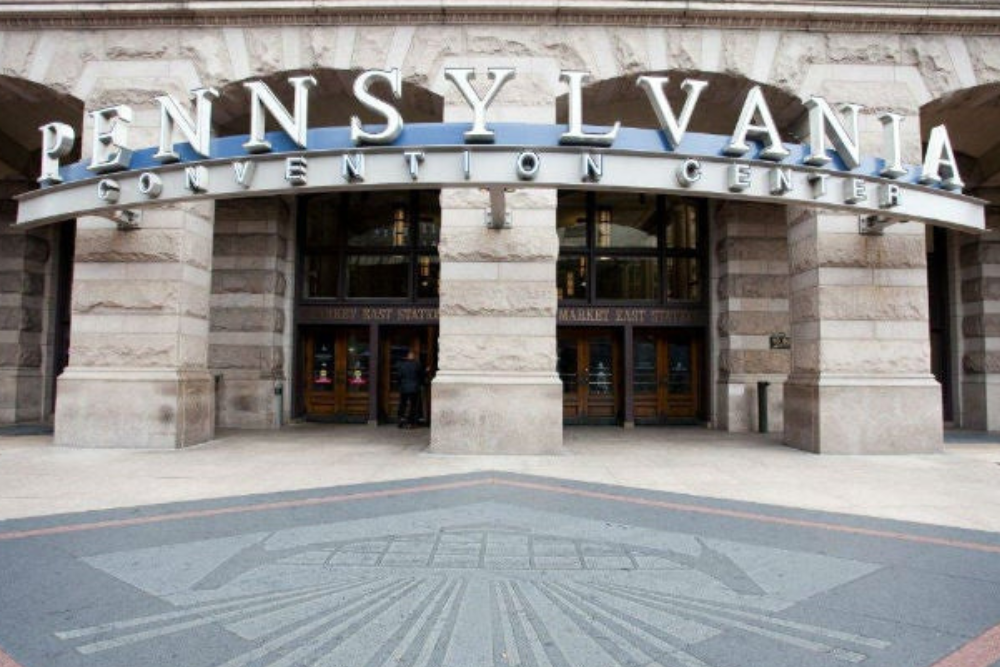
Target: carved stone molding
point(954, 17)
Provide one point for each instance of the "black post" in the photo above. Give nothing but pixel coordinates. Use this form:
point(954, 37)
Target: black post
point(762, 406)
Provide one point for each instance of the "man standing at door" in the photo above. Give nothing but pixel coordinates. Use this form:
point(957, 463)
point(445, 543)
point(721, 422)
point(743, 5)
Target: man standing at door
point(410, 380)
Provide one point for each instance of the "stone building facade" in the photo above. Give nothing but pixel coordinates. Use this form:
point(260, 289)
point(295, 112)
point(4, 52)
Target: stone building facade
point(228, 314)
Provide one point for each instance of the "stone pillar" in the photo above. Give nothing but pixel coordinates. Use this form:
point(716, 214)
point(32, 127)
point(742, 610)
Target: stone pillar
point(24, 258)
point(751, 251)
point(979, 267)
point(248, 309)
point(496, 390)
point(137, 374)
point(860, 380)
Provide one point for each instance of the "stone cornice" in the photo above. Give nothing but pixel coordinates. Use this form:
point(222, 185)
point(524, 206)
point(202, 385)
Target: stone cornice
point(888, 16)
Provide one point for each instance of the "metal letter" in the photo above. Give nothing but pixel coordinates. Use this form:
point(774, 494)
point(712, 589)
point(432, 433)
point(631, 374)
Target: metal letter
point(413, 161)
point(780, 181)
point(150, 185)
point(818, 183)
point(855, 191)
point(198, 133)
point(57, 142)
point(297, 170)
point(110, 134)
point(591, 167)
point(460, 77)
point(890, 195)
point(108, 190)
point(394, 121)
point(244, 171)
point(823, 123)
point(196, 179)
point(893, 149)
point(528, 164)
point(689, 173)
point(575, 136)
point(755, 106)
point(940, 157)
point(352, 168)
point(673, 127)
point(262, 98)
point(739, 177)
point(467, 164)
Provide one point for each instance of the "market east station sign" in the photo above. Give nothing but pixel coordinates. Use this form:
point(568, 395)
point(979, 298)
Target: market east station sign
point(752, 163)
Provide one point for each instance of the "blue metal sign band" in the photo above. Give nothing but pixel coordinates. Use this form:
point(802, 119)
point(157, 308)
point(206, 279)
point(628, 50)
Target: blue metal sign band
point(508, 135)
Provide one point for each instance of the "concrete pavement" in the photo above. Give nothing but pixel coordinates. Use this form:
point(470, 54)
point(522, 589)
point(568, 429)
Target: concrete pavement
point(960, 487)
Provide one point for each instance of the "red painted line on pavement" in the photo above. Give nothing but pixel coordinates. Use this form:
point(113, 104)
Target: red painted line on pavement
point(674, 506)
point(7, 661)
point(760, 518)
point(982, 651)
point(197, 514)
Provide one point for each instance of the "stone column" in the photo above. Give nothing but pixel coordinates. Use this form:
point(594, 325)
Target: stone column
point(751, 250)
point(139, 341)
point(250, 276)
point(860, 381)
point(24, 258)
point(979, 267)
point(496, 389)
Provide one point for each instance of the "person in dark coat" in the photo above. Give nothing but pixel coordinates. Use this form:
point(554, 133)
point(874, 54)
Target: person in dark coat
point(411, 377)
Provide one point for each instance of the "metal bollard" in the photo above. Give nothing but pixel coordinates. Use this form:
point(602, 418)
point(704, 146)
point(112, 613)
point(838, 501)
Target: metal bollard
point(279, 403)
point(762, 406)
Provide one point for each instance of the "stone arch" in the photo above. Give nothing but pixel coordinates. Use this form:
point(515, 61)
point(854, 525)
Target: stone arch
point(619, 98)
point(331, 103)
point(34, 271)
point(972, 116)
point(20, 140)
point(963, 287)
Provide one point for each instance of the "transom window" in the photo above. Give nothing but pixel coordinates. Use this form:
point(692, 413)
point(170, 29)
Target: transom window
point(629, 247)
point(371, 245)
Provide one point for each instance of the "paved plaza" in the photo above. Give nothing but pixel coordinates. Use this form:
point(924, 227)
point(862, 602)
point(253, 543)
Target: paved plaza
point(492, 568)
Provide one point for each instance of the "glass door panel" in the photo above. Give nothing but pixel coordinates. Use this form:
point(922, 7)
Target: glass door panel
point(336, 373)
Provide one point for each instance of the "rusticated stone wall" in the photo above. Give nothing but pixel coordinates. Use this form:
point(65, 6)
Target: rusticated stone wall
point(860, 378)
point(751, 252)
point(25, 304)
point(139, 341)
point(979, 274)
point(252, 266)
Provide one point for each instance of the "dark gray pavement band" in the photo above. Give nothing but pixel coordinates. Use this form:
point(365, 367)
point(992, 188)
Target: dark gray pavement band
point(489, 569)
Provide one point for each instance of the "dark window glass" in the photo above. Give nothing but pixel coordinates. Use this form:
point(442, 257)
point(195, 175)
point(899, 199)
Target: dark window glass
point(627, 278)
point(375, 220)
point(571, 278)
point(682, 226)
point(321, 222)
point(683, 278)
point(428, 276)
point(679, 376)
point(358, 363)
point(571, 220)
point(377, 276)
point(644, 367)
point(429, 220)
point(320, 276)
point(568, 365)
point(625, 221)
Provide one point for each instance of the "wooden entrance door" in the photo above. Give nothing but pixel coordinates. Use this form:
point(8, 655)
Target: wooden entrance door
point(396, 343)
point(666, 376)
point(336, 373)
point(590, 368)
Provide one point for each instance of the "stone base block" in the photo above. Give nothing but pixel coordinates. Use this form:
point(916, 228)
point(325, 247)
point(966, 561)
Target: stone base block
point(139, 409)
point(738, 409)
point(246, 403)
point(496, 414)
point(981, 403)
point(22, 396)
point(836, 416)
